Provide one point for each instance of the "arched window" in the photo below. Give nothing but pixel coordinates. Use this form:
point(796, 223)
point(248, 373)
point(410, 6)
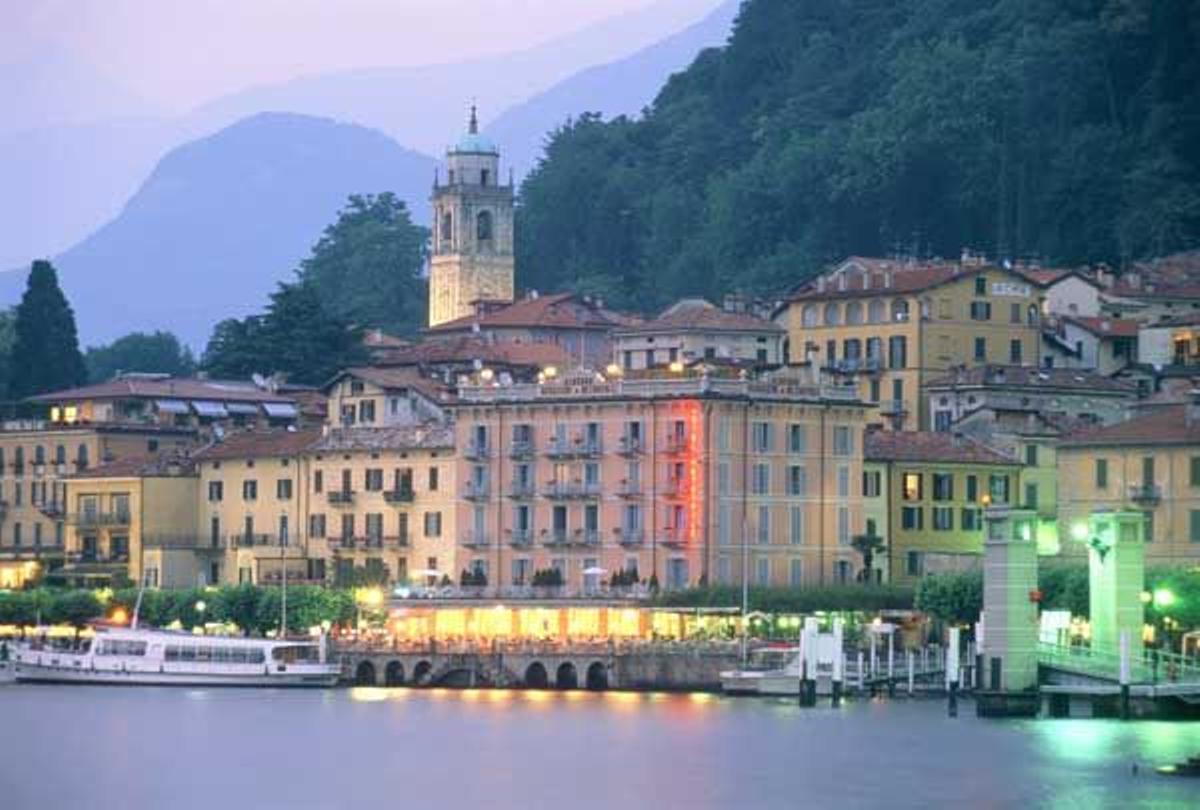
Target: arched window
point(787, 351)
point(81, 457)
point(1033, 314)
point(483, 226)
point(832, 314)
point(447, 226)
point(60, 455)
point(808, 315)
point(39, 455)
point(876, 311)
point(19, 460)
point(899, 310)
point(854, 313)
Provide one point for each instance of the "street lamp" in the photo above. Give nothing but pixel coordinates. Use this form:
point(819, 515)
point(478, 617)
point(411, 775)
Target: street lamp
point(1164, 598)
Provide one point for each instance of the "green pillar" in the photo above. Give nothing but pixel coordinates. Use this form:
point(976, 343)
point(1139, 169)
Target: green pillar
point(1010, 626)
point(1116, 572)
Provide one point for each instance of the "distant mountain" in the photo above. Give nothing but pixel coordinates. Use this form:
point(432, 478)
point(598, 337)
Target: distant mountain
point(221, 220)
point(623, 87)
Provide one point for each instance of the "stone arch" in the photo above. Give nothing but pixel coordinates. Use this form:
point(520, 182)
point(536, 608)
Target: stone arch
point(536, 676)
point(597, 676)
point(833, 314)
point(421, 673)
point(393, 674)
point(809, 316)
point(566, 676)
point(364, 674)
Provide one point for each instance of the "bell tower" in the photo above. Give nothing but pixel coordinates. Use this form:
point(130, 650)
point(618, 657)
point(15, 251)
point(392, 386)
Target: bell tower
point(472, 255)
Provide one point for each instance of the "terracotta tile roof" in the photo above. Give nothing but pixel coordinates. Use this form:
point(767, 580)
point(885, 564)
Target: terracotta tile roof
point(394, 378)
point(932, 447)
point(902, 277)
point(260, 444)
point(1165, 425)
point(561, 310)
point(1106, 327)
point(1032, 377)
point(1191, 319)
point(467, 348)
point(1174, 276)
point(156, 387)
point(698, 314)
point(431, 436)
point(150, 465)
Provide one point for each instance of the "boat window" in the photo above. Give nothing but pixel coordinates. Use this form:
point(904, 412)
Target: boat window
point(295, 652)
point(120, 646)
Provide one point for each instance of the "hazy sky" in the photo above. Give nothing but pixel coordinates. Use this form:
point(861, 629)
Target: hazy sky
point(177, 53)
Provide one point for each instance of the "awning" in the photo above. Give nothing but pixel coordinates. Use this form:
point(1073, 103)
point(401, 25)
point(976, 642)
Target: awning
point(243, 408)
point(171, 406)
point(212, 410)
point(280, 410)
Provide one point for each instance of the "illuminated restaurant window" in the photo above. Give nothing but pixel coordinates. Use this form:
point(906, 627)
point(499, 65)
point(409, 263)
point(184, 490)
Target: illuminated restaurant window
point(912, 486)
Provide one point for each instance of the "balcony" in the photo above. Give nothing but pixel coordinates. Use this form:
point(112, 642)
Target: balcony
point(630, 446)
point(521, 490)
point(521, 448)
point(520, 538)
point(672, 538)
point(399, 496)
point(892, 407)
point(629, 489)
point(574, 447)
point(365, 543)
point(556, 537)
point(588, 537)
point(18, 469)
point(343, 497)
point(60, 468)
point(475, 491)
point(561, 490)
point(476, 451)
point(676, 445)
point(631, 538)
point(475, 540)
point(52, 510)
point(673, 488)
point(97, 520)
point(39, 470)
point(1145, 495)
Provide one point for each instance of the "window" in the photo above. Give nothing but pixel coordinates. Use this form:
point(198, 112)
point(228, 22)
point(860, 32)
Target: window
point(762, 567)
point(998, 487)
point(843, 441)
point(1194, 526)
point(216, 491)
point(1031, 496)
point(911, 489)
point(981, 285)
point(972, 519)
point(872, 482)
point(318, 481)
point(283, 489)
point(912, 563)
point(980, 348)
point(1149, 526)
point(1014, 313)
point(981, 311)
point(316, 525)
point(897, 352)
point(373, 480)
point(374, 525)
point(1014, 352)
point(795, 573)
point(762, 479)
point(843, 525)
point(972, 489)
point(764, 525)
point(796, 525)
point(843, 482)
point(723, 486)
point(433, 524)
point(249, 490)
point(1031, 455)
point(797, 480)
point(1195, 471)
point(433, 479)
point(943, 519)
point(942, 420)
point(1148, 471)
point(912, 518)
point(762, 437)
point(943, 487)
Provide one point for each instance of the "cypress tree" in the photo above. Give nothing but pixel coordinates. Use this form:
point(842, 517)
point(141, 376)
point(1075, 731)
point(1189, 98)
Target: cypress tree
point(46, 354)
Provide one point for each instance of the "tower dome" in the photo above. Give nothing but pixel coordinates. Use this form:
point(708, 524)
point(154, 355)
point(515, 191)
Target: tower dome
point(472, 143)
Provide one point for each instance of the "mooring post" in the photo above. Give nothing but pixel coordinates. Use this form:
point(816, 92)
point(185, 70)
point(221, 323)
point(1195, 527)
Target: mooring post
point(839, 663)
point(1125, 674)
point(859, 671)
point(912, 660)
point(891, 663)
point(952, 664)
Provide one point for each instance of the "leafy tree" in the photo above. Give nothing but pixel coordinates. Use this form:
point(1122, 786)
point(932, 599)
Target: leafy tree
point(140, 351)
point(234, 350)
point(45, 351)
point(953, 598)
point(8, 336)
point(867, 546)
point(366, 268)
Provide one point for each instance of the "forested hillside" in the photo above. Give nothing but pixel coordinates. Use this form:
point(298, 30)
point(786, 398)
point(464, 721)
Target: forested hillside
point(1067, 130)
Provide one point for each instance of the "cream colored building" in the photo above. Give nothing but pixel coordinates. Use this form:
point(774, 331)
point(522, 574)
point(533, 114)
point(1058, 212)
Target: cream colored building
point(472, 231)
point(681, 478)
point(893, 326)
point(693, 330)
point(1150, 463)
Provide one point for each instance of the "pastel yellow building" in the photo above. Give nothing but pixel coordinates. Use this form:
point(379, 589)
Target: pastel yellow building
point(680, 476)
point(1150, 463)
point(130, 519)
point(926, 493)
point(892, 326)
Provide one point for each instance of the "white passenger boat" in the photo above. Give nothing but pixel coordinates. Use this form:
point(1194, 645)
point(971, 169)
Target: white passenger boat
point(770, 671)
point(161, 657)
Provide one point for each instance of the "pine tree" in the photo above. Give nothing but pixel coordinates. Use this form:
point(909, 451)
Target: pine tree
point(46, 354)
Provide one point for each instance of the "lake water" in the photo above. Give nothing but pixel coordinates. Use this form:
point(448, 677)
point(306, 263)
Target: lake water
point(129, 747)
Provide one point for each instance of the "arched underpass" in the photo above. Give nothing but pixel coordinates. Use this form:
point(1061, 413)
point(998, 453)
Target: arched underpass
point(597, 676)
point(364, 674)
point(566, 677)
point(393, 674)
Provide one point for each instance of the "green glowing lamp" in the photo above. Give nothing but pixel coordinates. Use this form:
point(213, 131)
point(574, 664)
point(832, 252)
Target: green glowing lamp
point(1079, 531)
point(1146, 596)
point(1163, 598)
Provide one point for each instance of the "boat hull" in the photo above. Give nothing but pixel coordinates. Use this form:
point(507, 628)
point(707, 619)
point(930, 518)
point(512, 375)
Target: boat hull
point(32, 673)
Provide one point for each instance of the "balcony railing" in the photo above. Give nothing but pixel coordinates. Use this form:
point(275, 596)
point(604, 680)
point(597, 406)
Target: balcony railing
point(672, 537)
point(521, 537)
point(53, 510)
point(521, 448)
point(100, 519)
point(400, 495)
point(574, 447)
point(556, 537)
point(894, 407)
point(1145, 494)
point(631, 537)
point(575, 489)
point(676, 445)
point(340, 497)
point(475, 490)
point(367, 542)
point(629, 489)
point(630, 446)
point(474, 540)
point(673, 488)
point(476, 451)
point(520, 490)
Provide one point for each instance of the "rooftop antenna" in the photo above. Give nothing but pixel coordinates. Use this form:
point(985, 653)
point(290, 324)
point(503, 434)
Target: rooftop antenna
point(473, 126)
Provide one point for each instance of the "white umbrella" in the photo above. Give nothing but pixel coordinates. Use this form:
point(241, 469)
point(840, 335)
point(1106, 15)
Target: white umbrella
point(424, 572)
point(595, 571)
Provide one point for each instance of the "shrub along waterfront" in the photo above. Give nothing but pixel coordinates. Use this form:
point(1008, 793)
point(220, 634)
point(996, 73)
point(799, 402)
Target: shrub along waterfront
point(253, 609)
point(794, 600)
